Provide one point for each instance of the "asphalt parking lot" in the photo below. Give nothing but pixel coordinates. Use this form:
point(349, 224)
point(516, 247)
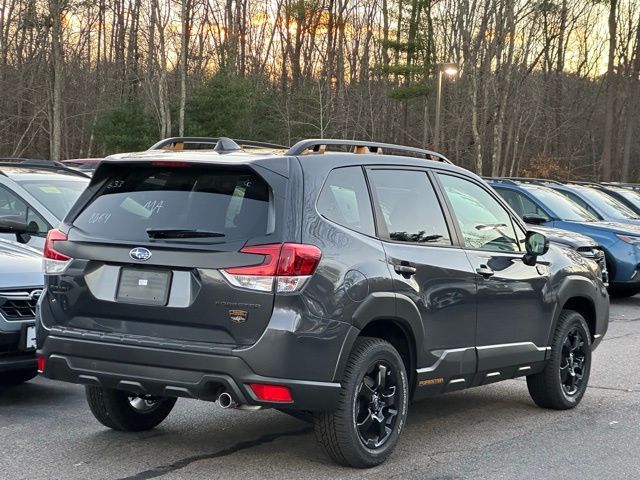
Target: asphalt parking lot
point(47, 432)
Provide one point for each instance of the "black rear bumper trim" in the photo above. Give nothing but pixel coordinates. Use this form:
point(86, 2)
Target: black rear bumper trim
point(160, 372)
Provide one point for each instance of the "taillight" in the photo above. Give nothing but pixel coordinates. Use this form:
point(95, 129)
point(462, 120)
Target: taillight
point(54, 262)
point(288, 265)
point(271, 393)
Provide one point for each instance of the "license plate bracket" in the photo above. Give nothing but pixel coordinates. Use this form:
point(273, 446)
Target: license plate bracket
point(143, 286)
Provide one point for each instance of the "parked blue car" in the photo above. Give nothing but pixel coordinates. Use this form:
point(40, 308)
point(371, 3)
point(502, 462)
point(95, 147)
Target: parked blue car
point(600, 204)
point(540, 205)
point(625, 194)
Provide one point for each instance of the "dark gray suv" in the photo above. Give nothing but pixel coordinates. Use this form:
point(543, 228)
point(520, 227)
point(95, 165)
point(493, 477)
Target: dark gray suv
point(332, 285)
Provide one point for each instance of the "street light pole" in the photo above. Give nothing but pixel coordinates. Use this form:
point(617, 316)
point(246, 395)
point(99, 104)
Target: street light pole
point(451, 69)
point(436, 132)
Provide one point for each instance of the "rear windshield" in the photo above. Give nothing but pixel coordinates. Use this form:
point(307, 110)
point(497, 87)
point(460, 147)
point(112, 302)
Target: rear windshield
point(228, 204)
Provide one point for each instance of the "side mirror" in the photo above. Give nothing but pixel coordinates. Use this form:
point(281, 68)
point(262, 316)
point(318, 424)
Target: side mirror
point(536, 244)
point(17, 226)
point(534, 219)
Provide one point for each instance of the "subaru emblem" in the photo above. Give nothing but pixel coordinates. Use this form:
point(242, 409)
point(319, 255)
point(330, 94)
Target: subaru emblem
point(35, 295)
point(140, 254)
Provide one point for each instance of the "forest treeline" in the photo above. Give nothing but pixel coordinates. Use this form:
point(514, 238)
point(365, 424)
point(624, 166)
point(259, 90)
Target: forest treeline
point(545, 87)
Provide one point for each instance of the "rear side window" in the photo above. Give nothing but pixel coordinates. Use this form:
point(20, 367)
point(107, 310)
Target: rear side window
point(409, 206)
point(345, 200)
point(233, 204)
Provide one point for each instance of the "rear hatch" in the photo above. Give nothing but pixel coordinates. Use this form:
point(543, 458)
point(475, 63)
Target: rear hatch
point(148, 251)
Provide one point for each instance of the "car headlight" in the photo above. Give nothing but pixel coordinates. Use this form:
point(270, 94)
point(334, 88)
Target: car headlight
point(630, 239)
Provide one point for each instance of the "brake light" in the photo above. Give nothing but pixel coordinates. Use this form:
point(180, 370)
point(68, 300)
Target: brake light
point(54, 262)
point(271, 393)
point(288, 265)
point(298, 259)
point(169, 163)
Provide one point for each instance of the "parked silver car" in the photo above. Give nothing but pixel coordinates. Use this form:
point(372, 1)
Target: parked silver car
point(20, 287)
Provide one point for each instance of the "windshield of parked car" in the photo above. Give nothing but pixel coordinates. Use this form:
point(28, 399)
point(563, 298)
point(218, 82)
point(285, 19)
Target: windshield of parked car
point(57, 194)
point(629, 195)
point(608, 205)
point(564, 208)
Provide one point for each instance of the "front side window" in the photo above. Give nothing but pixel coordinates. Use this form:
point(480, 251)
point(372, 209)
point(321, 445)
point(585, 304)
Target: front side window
point(345, 200)
point(410, 209)
point(14, 208)
point(485, 224)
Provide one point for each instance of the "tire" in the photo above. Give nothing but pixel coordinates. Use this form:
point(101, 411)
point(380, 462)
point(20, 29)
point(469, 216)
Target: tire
point(18, 376)
point(375, 380)
point(115, 409)
point(563, 382)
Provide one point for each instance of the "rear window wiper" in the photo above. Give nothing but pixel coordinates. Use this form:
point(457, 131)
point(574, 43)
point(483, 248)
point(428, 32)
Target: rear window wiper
point(159, 233)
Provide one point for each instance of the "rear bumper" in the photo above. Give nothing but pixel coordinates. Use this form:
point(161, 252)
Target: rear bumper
point(163, 372)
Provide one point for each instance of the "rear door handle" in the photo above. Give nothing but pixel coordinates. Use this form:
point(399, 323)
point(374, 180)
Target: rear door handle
point(404, 269)
point(484, 271)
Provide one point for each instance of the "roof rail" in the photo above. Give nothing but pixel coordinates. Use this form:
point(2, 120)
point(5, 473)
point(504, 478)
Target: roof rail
point(537, 181)
point(586, 183)
point(39, 163)
point(219, 144)
point(620, 184)
point(319, 145)
point(506, 181)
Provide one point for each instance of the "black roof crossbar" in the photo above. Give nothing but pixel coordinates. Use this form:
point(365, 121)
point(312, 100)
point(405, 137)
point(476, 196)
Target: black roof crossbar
point(39, 163)
point(219, 144)
point(318, 145)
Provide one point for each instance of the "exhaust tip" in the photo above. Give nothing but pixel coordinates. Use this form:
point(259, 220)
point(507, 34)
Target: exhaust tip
point(226, 401)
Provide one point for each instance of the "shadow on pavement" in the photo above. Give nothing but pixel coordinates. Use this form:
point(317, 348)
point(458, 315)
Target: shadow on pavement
point(34, 393)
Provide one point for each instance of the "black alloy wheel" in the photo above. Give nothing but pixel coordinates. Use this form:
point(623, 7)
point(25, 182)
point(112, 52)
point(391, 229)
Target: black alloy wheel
point(372, 409)
point(573, 362)
point(565, 377)
point(376, 411)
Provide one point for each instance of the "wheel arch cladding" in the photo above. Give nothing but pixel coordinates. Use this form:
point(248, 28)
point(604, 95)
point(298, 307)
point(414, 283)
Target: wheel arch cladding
point(576, 293)
point(585, 307)
point(391, 330)
point(380, 316)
